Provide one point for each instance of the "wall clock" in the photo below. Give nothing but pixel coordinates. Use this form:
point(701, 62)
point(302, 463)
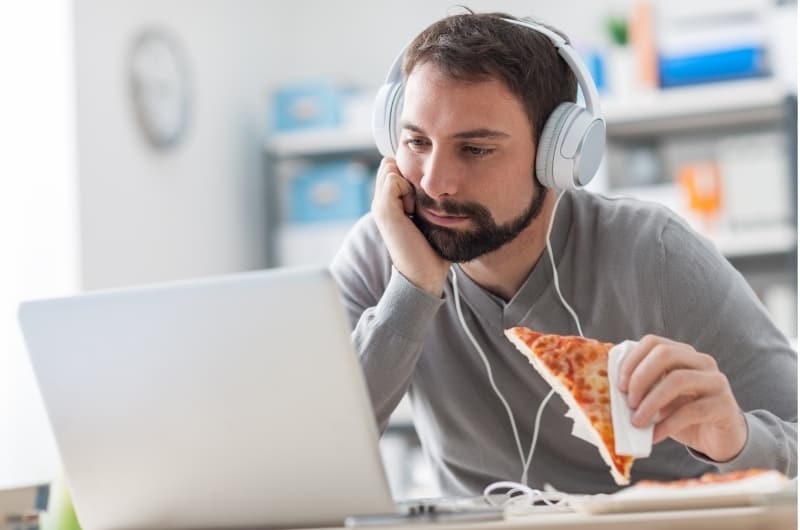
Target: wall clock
point(159, 87)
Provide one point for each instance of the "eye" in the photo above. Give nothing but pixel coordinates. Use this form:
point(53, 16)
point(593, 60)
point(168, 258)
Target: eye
point(478, 151)
point(416, 144)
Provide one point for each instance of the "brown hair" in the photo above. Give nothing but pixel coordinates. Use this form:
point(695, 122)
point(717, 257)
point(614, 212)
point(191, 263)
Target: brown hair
point(478, 46)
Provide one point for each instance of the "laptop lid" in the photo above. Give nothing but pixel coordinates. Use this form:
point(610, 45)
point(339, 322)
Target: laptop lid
point(217, 402)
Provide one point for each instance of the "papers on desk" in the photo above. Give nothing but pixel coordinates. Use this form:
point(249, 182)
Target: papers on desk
point(770, 487)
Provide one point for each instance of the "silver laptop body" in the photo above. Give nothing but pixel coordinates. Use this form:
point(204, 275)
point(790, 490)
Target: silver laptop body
point(234, 401)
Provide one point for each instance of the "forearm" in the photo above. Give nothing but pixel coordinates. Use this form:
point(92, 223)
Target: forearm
point(389, 339)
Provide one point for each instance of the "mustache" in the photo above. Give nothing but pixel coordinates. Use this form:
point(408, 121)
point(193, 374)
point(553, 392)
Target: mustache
point(450, 207)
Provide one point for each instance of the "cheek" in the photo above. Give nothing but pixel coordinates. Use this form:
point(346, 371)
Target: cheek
point(527, 191)
point(509, 200)
point(408, 165)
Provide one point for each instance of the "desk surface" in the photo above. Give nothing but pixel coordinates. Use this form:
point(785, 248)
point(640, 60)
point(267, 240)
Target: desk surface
point(778, 517)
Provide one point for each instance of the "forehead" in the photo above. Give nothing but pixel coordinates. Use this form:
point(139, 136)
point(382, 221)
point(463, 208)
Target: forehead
point(433, 99)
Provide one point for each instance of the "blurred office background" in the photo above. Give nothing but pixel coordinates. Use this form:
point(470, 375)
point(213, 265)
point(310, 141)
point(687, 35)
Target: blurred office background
point(154, 140)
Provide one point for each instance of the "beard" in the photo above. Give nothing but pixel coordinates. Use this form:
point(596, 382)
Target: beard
point(458, 246)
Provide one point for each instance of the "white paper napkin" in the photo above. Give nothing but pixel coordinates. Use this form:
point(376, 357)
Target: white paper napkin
point(629, 440)
point(581, 430)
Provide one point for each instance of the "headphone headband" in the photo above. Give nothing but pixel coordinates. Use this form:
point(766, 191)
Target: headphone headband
point(570, 56)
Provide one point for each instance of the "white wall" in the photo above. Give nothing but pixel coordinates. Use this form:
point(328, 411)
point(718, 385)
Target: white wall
point(356, 40)
point(199, 209)
point(38, 218)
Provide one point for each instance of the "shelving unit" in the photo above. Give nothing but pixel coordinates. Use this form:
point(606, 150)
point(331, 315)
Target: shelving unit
point(310, 145)
point(689, 124)
point(753, 102)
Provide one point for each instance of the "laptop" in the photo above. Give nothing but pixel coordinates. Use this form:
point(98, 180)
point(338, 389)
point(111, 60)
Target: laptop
point(233, 401)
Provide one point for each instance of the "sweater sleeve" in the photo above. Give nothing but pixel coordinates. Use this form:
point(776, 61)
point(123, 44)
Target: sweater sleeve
point(709, 305)
point(389, 314)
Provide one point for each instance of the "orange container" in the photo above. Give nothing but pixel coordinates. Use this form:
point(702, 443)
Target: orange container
point(702, 186)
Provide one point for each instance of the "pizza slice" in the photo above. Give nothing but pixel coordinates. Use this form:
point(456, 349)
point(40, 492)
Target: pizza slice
point(715, 478)
point(577, 369)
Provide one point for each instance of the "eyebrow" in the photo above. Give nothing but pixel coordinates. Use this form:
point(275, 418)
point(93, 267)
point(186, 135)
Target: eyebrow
point(472, 133)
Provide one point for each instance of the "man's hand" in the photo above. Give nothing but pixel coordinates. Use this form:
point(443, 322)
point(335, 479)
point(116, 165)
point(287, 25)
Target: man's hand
point(686, 395)
point(411, 253)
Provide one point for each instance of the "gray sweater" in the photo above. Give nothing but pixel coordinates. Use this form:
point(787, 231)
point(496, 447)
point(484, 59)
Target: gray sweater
point(628, 269)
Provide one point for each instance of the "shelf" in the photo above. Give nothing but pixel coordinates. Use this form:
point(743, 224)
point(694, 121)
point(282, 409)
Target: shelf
point(757, 241)
point(698, 106)
point(321, 142)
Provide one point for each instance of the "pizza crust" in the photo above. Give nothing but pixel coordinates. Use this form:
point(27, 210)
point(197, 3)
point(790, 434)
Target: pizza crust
point(577, 412)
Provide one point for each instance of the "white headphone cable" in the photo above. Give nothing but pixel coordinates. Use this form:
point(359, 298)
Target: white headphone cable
point(526, 462)
point(553, 264)
point(479, 349)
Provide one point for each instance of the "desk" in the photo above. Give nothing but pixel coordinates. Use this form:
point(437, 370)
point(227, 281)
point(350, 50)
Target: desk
point(777, 517)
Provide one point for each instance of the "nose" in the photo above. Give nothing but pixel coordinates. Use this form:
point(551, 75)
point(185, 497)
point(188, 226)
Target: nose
point(440, 178)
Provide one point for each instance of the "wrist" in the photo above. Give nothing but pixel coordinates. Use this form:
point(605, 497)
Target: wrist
point(432, 286)
point(736, 442)
point(407, 308)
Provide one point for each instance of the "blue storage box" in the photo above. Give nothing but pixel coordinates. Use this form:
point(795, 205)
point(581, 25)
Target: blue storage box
point(720, 65)
point(331, 191)
point(307, 106)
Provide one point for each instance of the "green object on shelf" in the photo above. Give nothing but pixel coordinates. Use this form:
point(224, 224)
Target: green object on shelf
point(618, 30)
point(60, 513)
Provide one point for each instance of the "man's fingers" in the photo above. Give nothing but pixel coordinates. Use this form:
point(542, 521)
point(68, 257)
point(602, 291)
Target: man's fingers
point(683, 384)
point(397, 187)
point(634, 357)
point(387, 165)
point(389, 186)
point(660, 361)
point(395, 197)
point(701, 410)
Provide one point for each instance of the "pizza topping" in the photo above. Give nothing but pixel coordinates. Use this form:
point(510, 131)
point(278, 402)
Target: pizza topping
point(708, 478)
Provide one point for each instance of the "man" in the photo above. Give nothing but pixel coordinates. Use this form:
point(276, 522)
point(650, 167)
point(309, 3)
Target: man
point(711, 370)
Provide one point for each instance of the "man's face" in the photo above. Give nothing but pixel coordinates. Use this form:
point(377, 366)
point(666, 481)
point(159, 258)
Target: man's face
point(467, 149)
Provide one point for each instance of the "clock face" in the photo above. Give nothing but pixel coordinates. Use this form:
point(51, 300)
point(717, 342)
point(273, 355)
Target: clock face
point(159, 87)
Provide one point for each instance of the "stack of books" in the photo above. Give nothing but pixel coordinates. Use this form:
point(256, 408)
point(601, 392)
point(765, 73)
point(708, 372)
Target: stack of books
point(712, 40)
point(20, 507)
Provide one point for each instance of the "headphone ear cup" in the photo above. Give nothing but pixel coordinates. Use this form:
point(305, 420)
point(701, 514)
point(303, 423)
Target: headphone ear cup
point(549, 144)
point(571, 148)
point(385, 113)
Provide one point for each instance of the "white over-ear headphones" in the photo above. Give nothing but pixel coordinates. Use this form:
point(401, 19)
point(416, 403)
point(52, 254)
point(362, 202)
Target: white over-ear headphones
point(572, 142)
